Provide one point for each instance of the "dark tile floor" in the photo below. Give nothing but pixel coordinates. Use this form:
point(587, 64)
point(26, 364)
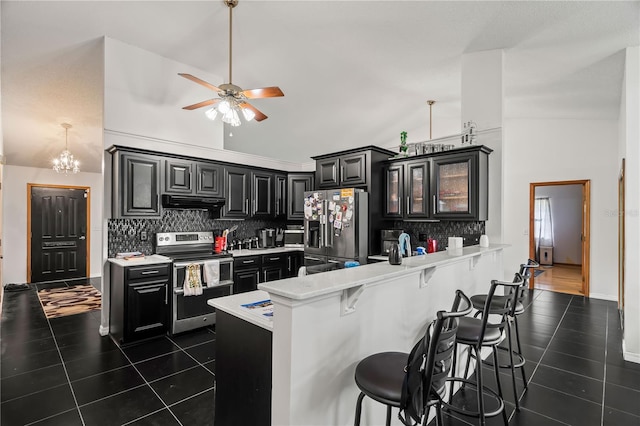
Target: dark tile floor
point(61, 372)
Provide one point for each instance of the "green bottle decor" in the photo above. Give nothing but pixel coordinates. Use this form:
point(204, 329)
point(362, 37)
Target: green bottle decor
point(403, 143)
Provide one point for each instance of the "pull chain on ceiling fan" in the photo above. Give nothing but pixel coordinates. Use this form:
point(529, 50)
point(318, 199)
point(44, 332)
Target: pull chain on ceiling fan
point(233, 100)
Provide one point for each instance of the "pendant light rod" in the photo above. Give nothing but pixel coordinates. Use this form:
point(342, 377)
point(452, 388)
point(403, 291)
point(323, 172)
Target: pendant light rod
point(430, 116)
point(66, 126)
point(231, 4)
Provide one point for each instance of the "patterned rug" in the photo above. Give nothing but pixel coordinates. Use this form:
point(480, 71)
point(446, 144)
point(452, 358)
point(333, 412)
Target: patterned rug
point(59, 302)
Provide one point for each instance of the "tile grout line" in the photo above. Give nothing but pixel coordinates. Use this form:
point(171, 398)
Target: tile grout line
point(604, 379)
point(189, 355)
point(64, 367)
point(150, 387)
point(545, 349)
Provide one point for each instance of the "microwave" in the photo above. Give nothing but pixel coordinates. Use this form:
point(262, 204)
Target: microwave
point(293, 237)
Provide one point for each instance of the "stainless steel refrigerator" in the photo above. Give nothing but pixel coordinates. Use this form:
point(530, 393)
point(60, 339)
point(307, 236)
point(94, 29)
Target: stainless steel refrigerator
point(336, 228)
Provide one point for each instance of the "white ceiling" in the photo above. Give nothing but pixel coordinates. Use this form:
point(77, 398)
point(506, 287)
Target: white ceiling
point(354, 73)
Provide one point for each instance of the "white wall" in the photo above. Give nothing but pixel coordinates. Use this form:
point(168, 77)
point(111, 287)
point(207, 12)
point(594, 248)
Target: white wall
point(566, 216)
point(557, 150)
point(630, 139)
point(15, 213)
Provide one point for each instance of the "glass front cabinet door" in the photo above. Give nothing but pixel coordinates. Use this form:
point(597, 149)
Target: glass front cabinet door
point(460, 185)
point(417, 186)
point(394, 191)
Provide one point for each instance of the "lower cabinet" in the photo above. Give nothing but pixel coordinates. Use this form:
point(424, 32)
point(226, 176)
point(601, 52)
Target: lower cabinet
point(294, 261)
point(274, 267)
point(139, 302)
point(246, 273)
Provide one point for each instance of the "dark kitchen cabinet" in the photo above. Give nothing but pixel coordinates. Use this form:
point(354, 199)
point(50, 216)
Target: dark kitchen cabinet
point(297, 184)
point(342, 171)
point(294, 261)
point(209, 180)
point(460, 185)
point(407, 190)
point(262, 194)
point(280, 201)
point(136, 185)
point(327, 172)
point(237, 182)
point(274, 267)
point(139, 301)
point(192, 178)
point(445, 186)
point(246, 273)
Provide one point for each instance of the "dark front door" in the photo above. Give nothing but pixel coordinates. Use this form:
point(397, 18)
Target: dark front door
point(58, 233)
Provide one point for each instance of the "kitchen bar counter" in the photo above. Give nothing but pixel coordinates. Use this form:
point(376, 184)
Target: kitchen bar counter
point(233, 306)
point(324, 324)
point(310, 286)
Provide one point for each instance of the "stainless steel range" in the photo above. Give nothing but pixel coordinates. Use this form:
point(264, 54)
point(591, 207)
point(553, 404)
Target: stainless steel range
point(193, 248)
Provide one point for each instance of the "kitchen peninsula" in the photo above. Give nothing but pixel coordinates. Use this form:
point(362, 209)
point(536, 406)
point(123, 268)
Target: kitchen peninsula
point(323, 324)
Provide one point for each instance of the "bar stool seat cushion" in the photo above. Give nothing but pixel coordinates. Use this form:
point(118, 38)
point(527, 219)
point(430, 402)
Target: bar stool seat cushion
point(469, 330)
point(380, 376)
point(496, 303)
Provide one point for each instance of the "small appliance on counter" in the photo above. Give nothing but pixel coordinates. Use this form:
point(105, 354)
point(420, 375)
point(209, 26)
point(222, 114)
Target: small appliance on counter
point(388, 238)
point(279, 237)
point(266, 238)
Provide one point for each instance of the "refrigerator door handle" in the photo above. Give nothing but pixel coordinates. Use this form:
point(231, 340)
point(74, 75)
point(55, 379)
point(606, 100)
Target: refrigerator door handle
point(327, 227)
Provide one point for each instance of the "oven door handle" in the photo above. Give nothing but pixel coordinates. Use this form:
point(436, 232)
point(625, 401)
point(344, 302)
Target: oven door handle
point(201, 262)
point(180, 290)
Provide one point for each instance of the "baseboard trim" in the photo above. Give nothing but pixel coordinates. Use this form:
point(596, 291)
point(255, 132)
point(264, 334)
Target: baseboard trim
point(600, 296)
point(630, 356)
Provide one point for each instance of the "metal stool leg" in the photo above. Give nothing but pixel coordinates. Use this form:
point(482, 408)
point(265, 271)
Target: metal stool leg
point(524, 376)
point(358, 409)
point(388, 415)
point(479, 387)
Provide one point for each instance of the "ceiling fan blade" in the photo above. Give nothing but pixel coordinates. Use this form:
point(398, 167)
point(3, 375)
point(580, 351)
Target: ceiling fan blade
point(259, 115)
point(202, 104)
point(265, 92)
point(199, 81)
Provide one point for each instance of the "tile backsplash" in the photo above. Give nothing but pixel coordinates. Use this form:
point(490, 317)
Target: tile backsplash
point(124, 234)
point(441, 231)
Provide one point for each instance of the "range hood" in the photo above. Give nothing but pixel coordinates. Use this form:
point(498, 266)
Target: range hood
point(191, 202)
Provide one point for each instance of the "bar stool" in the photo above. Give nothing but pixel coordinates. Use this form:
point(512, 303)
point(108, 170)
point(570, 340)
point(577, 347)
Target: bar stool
point(478, 333)
point(479, 301)
point(381, 376)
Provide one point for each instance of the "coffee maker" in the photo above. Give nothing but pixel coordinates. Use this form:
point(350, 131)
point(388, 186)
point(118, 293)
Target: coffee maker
point(266, 238)
point(389, 237)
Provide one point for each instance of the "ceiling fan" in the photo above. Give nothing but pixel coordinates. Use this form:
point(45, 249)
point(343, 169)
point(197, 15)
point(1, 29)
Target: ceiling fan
point(232, 99)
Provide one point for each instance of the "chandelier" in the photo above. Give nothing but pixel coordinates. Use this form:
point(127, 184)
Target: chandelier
point(65, 163)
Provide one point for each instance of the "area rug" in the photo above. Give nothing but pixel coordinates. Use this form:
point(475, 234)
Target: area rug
point(59, 302)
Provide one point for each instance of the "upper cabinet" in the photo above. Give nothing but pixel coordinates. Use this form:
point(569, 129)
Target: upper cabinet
point(280, 201)
point(297, 184)
point(237, 186)
point(262, 194)
point(136, 185)
point(446, 186)
point(192, 178)
point(352, 168)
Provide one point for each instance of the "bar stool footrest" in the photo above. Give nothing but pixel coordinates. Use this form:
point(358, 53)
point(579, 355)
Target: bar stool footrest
point(519, 359)
point(486, 391)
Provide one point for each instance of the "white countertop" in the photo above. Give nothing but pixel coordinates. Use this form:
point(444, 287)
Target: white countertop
point(147, 260)
point(258, 252)
point(300, 288)
point(233, 306)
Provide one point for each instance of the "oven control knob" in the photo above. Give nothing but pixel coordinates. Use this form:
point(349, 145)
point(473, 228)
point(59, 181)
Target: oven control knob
point(161, 238)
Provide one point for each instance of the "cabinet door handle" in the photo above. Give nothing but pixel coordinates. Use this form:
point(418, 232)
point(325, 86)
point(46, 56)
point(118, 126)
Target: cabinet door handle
point(149, 272)
point(264, 273)
point(341, 173)
point(258, 276)
point(166, 294)
point(253, 206)
point(248, 262)
point(274, 258)
point(408, 211)
point(289, 264)
point(246, 205)
point(434, 204)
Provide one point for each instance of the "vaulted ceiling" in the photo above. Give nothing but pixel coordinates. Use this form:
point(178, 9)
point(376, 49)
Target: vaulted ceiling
point(354, 73)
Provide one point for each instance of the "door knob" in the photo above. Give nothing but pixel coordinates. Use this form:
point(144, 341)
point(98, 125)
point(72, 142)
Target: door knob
point(82, 237)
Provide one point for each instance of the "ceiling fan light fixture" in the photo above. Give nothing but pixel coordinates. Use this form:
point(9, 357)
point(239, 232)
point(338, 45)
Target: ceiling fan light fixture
point(248, 114)
point(211, 113)
point(224, 106)
point(231, 117)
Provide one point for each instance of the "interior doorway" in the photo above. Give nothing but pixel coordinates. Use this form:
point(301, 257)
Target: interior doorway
point(57, 232)
point(564, 257)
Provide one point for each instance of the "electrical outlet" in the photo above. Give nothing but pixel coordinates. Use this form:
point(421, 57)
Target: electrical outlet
point(143, 236)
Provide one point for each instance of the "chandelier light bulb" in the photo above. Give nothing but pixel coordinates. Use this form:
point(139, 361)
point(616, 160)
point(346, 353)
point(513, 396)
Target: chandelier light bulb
point(224, 106)
point(211, 113)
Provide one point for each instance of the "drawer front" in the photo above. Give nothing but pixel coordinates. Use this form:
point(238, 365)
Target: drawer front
point(148, 272)
point(247, 262)
point(273, 259)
